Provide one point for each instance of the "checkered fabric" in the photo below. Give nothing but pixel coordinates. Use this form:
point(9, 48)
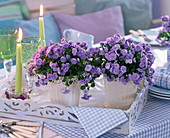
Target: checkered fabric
point(162, 78)
point(97, 121)
point(153, 122)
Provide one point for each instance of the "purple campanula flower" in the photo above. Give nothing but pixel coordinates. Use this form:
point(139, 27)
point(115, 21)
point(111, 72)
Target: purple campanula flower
point(110, 79)
point(151, 71)
point(116, 38)
point(66, 45)
point(51, 42)
point(96, 49)
point(123, 69)
point(85, 91)
point(66, 69)
point(98, 71)
point(83, 82)
point(128, 61)
point(45, 49)
point(116, 71)
point(59, 71)
point(106, 49)
point(40, 49)
point(49, 76)
point(53, 65)
point(148, 48)
point(115, 47)
point(73, 61)
point(138, 47)
point(59, 51)
point(68, 65)
point(55, 76)
point(78, 60)
point(107, 66)
point(86, 97)
point(83, 57)
point(91, 50)
point(110, 41)
point(89, 54)
point(150, 56)
point(85, 74)
point(43, 62)
point(63, 73)
point(103, 70)
point(63, 59)
point(81, 51)
point(88, 79)
point(33, 56)
point(42, 76)
point(66, 92)
point(116, 65)
point(48, 50)
point(68, 56)
point(37, 84)
point(62, 89)
point(165, 18)
point(74, 51)
point(55, 56)
point(143, 59)
point(135, 76)
point(134, 60)
point(122, 79)
point(88, 67)
point(111, 57)
point(43, 81)
point(63, 40)
point(124, 52)
point(101, 52)
point(38, 62)
point(37, 55)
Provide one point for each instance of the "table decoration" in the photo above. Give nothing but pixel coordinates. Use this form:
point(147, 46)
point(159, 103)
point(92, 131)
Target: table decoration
point(164, 37)
point(15, 88)
point(18, 76)
point(8, 47)
point(66, 66)
point(124, 63)
point(41, 26)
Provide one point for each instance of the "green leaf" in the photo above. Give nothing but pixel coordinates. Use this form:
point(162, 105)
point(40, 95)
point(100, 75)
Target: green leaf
point(82, 87)
point(93, 85)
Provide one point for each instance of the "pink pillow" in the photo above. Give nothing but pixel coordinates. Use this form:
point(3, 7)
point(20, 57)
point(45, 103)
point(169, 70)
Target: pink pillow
point(101, 24)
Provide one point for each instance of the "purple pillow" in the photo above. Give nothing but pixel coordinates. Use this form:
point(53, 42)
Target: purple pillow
point(101, 24)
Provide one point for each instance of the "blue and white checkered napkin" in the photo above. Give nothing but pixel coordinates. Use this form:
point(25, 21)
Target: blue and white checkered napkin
point(162, 78)
point(97, 121)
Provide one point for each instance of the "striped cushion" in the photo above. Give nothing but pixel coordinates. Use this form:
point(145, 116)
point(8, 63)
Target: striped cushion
point(10, 10)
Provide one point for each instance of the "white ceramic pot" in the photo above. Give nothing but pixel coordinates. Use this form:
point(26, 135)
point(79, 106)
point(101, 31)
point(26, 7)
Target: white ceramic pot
point(119, 96)
point(70, 99)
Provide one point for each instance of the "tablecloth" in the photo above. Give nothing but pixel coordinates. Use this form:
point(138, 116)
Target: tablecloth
point(153, 122)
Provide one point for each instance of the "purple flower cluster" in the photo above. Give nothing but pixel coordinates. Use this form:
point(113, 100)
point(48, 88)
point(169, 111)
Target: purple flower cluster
point(65, 60)
point(163, 37)
point(124, 61)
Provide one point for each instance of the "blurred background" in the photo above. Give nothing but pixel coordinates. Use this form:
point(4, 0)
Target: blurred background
point(100, 18)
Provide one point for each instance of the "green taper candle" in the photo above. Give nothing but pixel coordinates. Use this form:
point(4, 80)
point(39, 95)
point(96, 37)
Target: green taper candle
point(41, 26)
point(18, 76)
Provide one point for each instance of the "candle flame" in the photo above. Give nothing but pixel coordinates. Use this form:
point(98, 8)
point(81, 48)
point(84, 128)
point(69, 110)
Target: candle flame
point(20, 35)
point(41, 10)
